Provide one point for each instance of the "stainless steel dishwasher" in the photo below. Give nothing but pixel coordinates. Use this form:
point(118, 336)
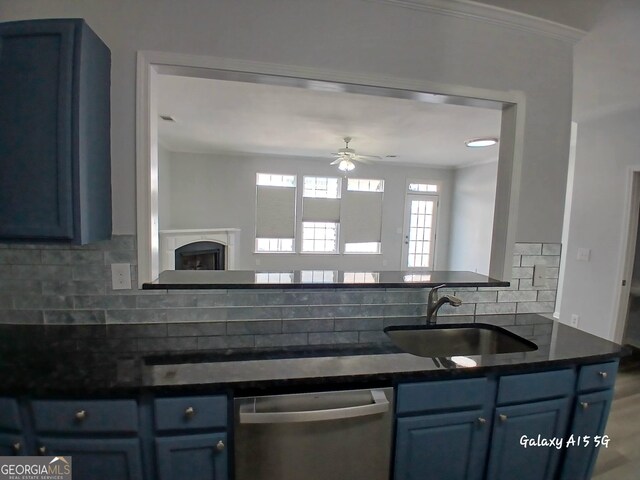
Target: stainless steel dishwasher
point(341, 435)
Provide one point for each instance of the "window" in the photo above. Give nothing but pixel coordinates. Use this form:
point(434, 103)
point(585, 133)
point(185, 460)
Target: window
point(321, 187)
point(421, 233)
point(275, 212)
point(319, 237)
point(274, 277)
point(365, 185)
point(362, 247)
point(423, 187)
point(318, 276)
point(361, 277)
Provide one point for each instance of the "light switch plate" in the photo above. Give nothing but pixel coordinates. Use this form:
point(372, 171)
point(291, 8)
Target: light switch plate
point(121, 276)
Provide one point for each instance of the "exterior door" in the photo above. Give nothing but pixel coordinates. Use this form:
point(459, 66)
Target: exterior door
point(419, 232)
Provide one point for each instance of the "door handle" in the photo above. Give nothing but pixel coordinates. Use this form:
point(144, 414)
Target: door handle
point(380, 404)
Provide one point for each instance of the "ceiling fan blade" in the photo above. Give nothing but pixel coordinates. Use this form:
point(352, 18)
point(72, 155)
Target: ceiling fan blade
point(336, 161)
point(366, 161)
point(377, 157)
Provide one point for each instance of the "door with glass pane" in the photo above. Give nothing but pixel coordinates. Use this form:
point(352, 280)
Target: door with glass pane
point(419, 232)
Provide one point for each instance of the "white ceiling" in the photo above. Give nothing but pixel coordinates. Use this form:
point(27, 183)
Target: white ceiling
point(220, 116)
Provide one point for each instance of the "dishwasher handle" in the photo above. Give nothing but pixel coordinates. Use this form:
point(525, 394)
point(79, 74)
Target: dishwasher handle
point(380, 404)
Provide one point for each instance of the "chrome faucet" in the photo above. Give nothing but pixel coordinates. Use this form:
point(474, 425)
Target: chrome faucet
point(434, 303)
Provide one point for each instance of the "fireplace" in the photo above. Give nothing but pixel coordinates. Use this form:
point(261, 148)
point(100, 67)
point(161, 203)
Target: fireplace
point(201, 256)
point(198, 249)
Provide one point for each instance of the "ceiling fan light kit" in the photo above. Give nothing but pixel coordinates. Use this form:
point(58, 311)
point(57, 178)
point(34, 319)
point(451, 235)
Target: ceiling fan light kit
point(345, 157)
point(346, 165)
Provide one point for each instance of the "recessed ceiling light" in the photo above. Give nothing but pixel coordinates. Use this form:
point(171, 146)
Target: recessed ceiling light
point(481, 142)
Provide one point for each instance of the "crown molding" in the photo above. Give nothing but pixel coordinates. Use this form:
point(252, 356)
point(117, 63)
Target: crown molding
point(469, 9)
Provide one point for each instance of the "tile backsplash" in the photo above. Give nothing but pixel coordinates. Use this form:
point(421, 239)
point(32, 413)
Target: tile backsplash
point(62, 285)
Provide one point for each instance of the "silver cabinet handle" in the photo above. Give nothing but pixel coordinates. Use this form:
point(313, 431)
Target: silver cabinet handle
point(603, 374)
point(189, 412)
point(584, 405)
point(503, 418)
point(16, 447)
point(481, 421)
point(380, 404)
point(220, 445)
point(81, 415)
point(42, 450)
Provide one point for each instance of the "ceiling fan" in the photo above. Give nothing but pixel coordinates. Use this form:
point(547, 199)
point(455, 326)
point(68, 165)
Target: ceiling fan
point(346, 156)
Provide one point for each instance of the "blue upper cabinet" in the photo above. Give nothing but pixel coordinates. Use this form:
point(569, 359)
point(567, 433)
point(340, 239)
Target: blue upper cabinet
point(55, 174)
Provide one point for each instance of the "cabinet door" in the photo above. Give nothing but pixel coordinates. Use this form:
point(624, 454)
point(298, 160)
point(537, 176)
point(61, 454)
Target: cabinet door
point(448, 446)
point(193, 457)
point(98, 459)
point(589, 419)
point(36, 70)
point(540, 420)
point(11, 444)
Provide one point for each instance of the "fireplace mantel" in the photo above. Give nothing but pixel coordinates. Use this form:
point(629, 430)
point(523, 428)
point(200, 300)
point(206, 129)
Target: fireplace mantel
point(170, 240)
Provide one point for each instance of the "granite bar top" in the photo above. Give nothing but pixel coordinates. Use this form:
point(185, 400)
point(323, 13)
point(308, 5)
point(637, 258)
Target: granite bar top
point(74, 361)
point(232, 279)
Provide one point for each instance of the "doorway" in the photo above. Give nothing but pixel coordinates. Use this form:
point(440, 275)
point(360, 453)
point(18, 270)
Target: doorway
point(420, 220)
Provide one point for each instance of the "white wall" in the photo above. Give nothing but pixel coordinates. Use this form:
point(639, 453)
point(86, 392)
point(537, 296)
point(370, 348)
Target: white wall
point(208, 191)
point(474, 196)
point(164, 190)
point(379, 38)
point(607, 110)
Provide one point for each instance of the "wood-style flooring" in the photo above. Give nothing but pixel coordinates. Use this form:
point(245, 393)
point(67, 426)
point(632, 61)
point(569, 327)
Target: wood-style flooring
point(621, 461)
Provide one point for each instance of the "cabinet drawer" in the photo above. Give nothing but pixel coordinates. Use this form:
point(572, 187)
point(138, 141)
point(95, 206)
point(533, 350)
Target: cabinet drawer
point(190, 413)
point(116, 416)
point(600, 375)
point(535, 386)
point(425, 396)
point(9, 415)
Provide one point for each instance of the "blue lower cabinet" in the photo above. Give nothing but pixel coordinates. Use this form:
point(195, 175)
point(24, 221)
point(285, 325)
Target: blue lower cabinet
point(589, 421)
point(11, 444)
point(447, 446)
point(192, 457)
point(518, 431)
point(97, 459)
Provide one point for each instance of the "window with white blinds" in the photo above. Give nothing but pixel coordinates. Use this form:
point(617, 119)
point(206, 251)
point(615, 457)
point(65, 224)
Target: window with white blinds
point(275, 212)
point(361, 219)
point(320, 214)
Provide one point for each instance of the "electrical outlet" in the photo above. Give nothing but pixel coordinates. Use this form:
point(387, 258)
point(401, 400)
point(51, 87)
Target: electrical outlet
point(575, 318)
point(583, 254)
point(121, 276)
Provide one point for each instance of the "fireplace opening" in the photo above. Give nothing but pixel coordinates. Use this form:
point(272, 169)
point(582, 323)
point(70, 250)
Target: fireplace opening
point(201, 256)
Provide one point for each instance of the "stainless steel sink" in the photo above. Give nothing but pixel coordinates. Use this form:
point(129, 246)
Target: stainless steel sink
point(457, 339)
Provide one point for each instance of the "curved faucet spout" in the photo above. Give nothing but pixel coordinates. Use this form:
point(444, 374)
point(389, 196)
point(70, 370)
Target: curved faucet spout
point(434, 305)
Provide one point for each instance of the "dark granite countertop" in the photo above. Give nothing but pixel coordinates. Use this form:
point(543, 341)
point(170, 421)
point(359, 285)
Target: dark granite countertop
point(234, 279)
point(74, 361)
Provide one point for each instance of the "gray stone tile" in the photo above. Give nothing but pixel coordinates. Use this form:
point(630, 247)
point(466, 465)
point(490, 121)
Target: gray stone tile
point(527, 249)
point(371, 310)
point(74, 317)
point(72, 257)
point(20, 257)
point(308, 312)
point(195, 314)
point(226, 341)
point(136, 316)
point(42, 301)
point(546, 296)
point(91, 272)
point(477, 297)
point(355, 324)
point(72, 287)
point(22, 317)
point(117, 242)
point(214, 299)
point(165, 301)
point(282, 340)
point(348, 311)
point(137, 330)
point(42, 272)
point(11, 285)
point(517, 296)
point(199, 329)
point(551, 248)
point(104, 301)
point(553, 272)
point(167, 344)
point(516, 260)
point(464, 309)
point(495, 308)
point(536, 307)
point(254, 327)
point(403, 310)
point(548, 260)
point(325, 338)
point(247, 313)
point(120, 256)
point(448, 319)
point(371, 336)
point(393, 321)
point(522, 272)
point(307, 325)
